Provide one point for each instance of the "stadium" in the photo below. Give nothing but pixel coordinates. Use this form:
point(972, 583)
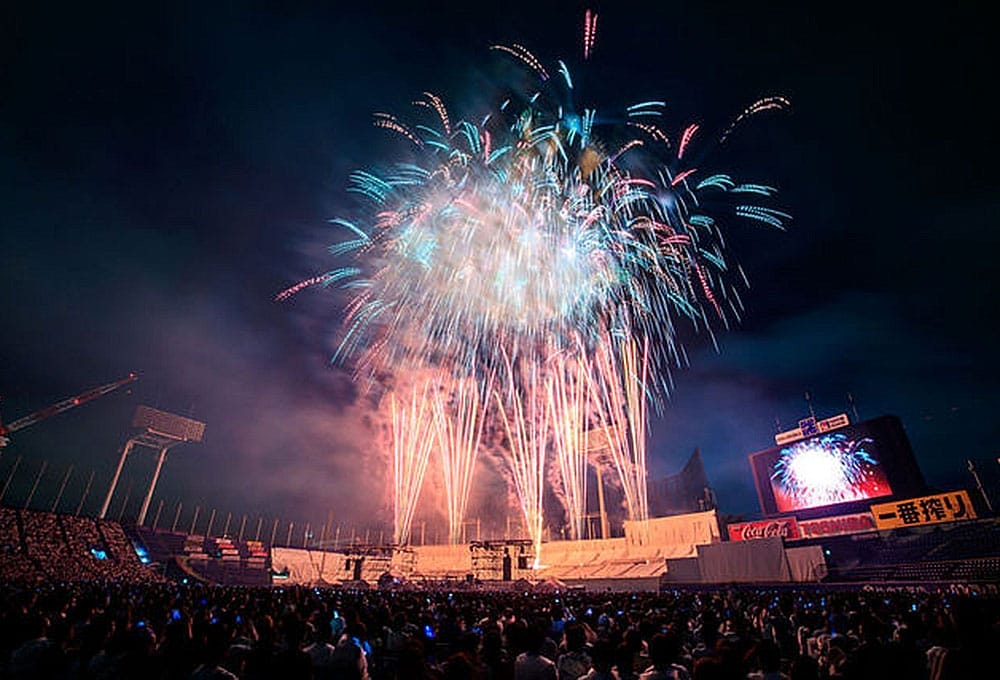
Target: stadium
point(884, 543)
point(454, 366)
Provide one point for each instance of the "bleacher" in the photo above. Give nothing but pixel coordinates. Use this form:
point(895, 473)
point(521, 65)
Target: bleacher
point(965, 551)
point(82, 537)
point(610, 559)
point(206, 558)
point(257, 556)
point(48, 549)
point(161, 546)
point(45, 546)
point(14, 561)
point(968, 541)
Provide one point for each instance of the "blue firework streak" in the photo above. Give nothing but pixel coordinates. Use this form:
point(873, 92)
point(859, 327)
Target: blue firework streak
point(831, 468)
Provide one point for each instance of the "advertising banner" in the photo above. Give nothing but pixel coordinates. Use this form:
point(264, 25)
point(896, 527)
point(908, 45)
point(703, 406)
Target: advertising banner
point(838, 525)
point(911, 512)
point(779, 527)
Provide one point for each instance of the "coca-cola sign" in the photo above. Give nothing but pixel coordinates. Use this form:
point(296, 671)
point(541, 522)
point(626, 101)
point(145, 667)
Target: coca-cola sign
point(783, 527)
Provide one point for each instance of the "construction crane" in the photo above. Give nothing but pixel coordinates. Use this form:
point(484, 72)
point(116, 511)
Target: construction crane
point(59, 407)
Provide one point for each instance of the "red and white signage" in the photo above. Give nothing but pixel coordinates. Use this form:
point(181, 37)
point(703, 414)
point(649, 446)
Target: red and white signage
point(837, 526)
point(784, 527)
point(810, 426)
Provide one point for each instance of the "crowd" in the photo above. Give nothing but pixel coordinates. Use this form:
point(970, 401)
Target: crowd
point(168, 631)
point(43, 546)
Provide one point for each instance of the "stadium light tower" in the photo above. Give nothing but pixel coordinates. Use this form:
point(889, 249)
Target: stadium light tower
point(598, 446)
point(157, 430)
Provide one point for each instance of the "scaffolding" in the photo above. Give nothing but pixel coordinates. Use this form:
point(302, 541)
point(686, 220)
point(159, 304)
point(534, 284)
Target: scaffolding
point(378, 559)
point(502, 560)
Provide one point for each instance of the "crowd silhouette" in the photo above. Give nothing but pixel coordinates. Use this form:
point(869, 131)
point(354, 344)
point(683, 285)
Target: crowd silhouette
point(172, 631)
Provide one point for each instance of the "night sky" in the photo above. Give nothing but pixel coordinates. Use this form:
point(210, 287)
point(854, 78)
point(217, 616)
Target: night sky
point(164, 172)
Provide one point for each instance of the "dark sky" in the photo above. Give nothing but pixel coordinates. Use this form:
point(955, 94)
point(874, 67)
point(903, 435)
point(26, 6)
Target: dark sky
point(165, 171)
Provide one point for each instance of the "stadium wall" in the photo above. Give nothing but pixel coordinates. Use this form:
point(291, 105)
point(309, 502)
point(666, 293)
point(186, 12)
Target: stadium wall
point(615, 563)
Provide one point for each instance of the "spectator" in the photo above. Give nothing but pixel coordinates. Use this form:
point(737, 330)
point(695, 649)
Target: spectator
point(804, 668)
point(412, 664)
point(532, 665)
point(468, 649)
point(110, 630)
point(37, 657)
point(603, 657)
point(217, 642)
point(495, 656)
point(664, 649)
point(574, 660)
point(767, 658)
point(460, 667)
point(709, 668)
point(348, 660)
point(321, 652)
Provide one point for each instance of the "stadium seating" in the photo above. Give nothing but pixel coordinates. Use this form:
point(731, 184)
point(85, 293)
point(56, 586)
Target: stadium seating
point(45, 546)
point(952, 552)
point(14, 562)
point(220, 560)
point(37, 545)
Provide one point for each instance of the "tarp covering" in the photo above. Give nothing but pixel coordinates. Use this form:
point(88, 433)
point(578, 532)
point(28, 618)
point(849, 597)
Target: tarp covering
point(759, 561)
point(442, 560)
point(675, 536)
point(806, 563)
point(309, 567)
point(683, 570)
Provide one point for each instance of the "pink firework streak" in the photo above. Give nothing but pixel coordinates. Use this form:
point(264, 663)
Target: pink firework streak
point(289, 292)
point(686, 139)
point(683, 176)
point(589, 32)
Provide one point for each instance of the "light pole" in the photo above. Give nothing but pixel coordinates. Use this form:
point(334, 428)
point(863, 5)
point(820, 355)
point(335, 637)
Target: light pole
point(979, 484)
point(157, 430)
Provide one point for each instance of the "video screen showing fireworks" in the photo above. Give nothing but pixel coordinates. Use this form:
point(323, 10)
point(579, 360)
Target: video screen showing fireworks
point(850, 465)
point(831, 468)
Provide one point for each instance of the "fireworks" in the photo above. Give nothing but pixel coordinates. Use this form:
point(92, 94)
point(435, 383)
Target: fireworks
point(589, 32)
point(522, 229)
point(620, 383)
point(411, 447)
point(526, 416)
point(569, 399)
point(458, 423)
point(541, 259)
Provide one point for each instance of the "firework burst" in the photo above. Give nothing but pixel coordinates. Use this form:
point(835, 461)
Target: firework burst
point(521, 229)
point(538, 231)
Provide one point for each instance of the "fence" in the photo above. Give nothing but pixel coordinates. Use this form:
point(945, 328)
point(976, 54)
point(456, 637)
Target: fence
point(78, 491)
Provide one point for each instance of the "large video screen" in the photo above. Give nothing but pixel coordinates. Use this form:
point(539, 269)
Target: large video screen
point(849, 465)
